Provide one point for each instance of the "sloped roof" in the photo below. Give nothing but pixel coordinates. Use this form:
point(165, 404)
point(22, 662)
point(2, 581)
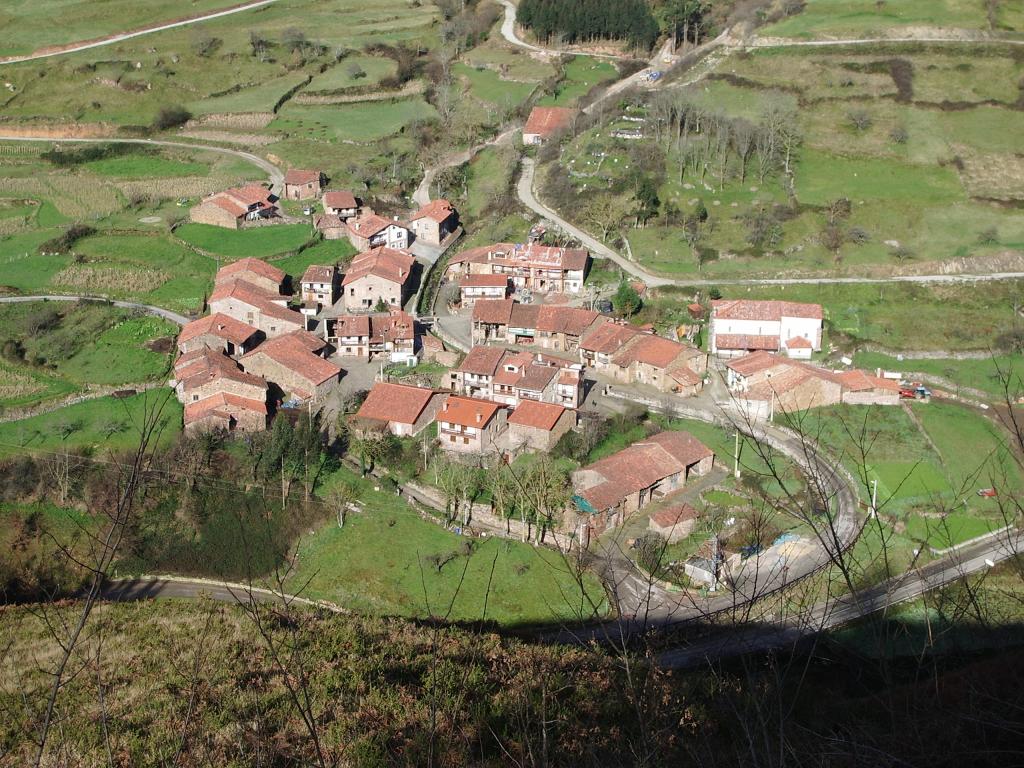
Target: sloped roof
point(482, 361)
point(484, 281)
point(545, 121)
point(238, 269)
point(220, 325)
point(524, 316)
point(530, 413)
point(751, 309)
point(340, 198)
point(468, 411)
point(571, 320)
point(400, 403)
point(352, 325)
point(798, 342)
point(746, 341)
point(221, 405)
point(435, 210)
point(256, 297)
point(293, 351)
point(606, 336)
point(370, 224)
point(652, 350)
point(755, 362)
point(387, 263)
point(318, 273)
point(200, 367)
point(493, 311)
point(299, 176)
point(672, 514)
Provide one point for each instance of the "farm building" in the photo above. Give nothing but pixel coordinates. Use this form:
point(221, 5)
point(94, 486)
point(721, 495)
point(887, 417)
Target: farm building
point(405, 410)
point(340, 203)
point(256, 272)
point(741, 326)
point(234, 207)
point(475, 287)
point(294, 363)
point(253, 306)
point(545, 122)
point(434, 222)
point(218, 331)
point(674, 521)
point(539, 426)
point(302, 184)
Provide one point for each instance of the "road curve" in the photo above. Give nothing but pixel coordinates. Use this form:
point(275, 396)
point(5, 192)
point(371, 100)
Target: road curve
point(86, 45)
point(527, 195)
point(166, 314)
point(275, 174)
point(422, 194)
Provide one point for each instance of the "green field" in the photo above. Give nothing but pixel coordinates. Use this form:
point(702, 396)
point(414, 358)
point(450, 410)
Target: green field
point(138, 166)
point(362, 122)
point(120, 354)
point(487, 85)
point(344, 75)
point(869, 18)
point(377, 564)
point(984, 375)
point(30, 24)
point(260, 242)
point(324, 252)
point(581, 74)
point(103, 424)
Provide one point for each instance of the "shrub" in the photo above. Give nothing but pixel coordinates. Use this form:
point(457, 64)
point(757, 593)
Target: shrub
point(860, 119)
point(63, 243)
point(171, 117)
point(989, 236)
point(858, 235)
point(899, 134)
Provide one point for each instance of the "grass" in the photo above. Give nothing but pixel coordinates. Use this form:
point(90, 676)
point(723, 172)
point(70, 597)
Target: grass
point(261, 242)
point(121, 354)
point(324, 252)
point(868, 18)
point(490, 175)
point(953, 529)
point(339, 77)
point(362, 122)
point(103, 424)
point(487, 85)
point(29, 24)
point(983, 375)
point(823, 177)
point(581, 74)
point(377, 564)
point(138, 166)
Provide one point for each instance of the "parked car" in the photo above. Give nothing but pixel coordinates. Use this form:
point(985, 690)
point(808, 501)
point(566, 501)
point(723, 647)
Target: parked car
point(603, 305)
point(988, 493)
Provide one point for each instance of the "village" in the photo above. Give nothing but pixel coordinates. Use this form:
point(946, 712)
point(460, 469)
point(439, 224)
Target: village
point(535, 362)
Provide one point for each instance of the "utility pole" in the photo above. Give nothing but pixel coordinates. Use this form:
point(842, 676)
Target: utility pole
point(874, 498)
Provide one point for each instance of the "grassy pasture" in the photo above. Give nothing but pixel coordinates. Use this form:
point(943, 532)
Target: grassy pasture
point(339, 77)
point(238, 243)
point(581, 74)
point(29, 24)
point(362, 122)
point(257, 97)
point(488, 86)
point(867, 18)
point(324, 252)
point(103, 424)
point(138, 166)
point(978, 374)
point(377, 564)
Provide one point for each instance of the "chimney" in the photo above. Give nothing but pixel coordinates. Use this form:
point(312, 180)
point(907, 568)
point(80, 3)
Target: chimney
point(445, 409)
point(479, 417)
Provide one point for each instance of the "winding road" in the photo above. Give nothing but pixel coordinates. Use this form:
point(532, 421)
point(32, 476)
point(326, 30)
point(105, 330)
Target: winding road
point(111, 39)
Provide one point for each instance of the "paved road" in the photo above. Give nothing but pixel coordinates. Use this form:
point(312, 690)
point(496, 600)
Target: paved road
point(74, 48)
point(776, 42)
point(149, 587)
point(166, 314)
point(527, 195)
point(824, 616)
point(275, 174)
point(508, 31)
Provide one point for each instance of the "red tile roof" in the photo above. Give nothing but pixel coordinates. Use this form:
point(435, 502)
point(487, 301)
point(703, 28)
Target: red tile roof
point(220, 325)
point(857, 381)
point(370, 224)
point(672, 514)
point(484, 281)
point(749, 309)
point(745, 341)
point(293, 351)
point(256, 297)
point(468, 411)
point(340, 198)
point(221, 405)
point(387, 263)
point(649, 349)
point(569, 320)
point(545, 121)
point(352, 325)
point(298, 177)
point(318, 273)
point(524, 316)
point(798, 342)
point(755, 362)
point(482, 361)
point(530, 413)
point(493, 311)
point(238, 270)
point(435, 210)
point(200, 367)
point(607, 337)
point(400, 403)
point(639, 466)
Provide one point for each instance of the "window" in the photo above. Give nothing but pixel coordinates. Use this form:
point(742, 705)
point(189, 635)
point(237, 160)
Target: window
point(465, 441)
point(273, 328)
point(351, 291)
point(452, 438)
point(194, 398)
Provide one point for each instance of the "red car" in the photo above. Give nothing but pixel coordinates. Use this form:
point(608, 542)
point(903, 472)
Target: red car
point(988, 493)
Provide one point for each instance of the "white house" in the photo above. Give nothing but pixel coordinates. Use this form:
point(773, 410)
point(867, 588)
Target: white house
point(742, 326)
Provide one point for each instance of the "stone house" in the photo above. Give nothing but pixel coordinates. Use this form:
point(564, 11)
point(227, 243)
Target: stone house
point(530, 266)
point(340, 203)
point(510, 377)
point(264, 276)
point(218, 331)
point(375, 276)
point(674, 521)
point(234, 207)
point(319, 286)
point(372, 231)
point(405, 410)
point(391, 334)
point(301, 184)
point(609, 490)
point(217, 394)
point(225, 411)
point(538, 426)
point(255, 307)
point(468, 425)
point(295, 363)
point(434, 222)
